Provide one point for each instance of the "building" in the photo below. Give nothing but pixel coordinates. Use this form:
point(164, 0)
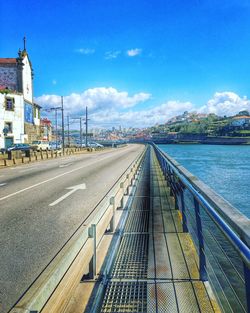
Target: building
point(19, 114)
point(46, 129)
point(241, 121)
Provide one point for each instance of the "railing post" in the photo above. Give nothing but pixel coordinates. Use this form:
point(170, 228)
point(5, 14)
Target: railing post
point(123, 192)
point(92, 264)
point(202, 258)
point(165, 169)
point(171, 183)
point(112, 222)
point(183, 211)
point(247, 285)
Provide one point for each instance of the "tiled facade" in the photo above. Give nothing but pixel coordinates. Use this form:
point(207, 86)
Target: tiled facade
point(20, 117)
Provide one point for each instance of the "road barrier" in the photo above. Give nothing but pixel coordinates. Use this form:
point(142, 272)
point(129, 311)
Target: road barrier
point(51, 291)
point(19, 157)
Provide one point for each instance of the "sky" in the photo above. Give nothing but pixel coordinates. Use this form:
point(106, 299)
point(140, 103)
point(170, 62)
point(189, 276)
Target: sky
point(134, 63)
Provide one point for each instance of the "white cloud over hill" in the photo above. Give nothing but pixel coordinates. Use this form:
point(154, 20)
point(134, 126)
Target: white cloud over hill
point(226, 103)
point(109, 106)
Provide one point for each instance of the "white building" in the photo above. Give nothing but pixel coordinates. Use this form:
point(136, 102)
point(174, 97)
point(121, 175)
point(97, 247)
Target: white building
point(19, 115)
point(12, 119)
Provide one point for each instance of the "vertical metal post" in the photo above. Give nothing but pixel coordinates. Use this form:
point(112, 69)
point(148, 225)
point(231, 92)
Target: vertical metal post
point(183, 211)
point(202, 258)
point(56, 129)
point(171, 182)
point(62, 124)
point(164, 168)
point(127, 189)
point(92, 264)
point(81, 132)
point(247, 285)
point(123, 193)
point(68, 131)
point(86, 130)
point(112, 222)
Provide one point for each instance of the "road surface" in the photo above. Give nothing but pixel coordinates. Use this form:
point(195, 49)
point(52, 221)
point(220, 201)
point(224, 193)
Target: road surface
point(42, 204)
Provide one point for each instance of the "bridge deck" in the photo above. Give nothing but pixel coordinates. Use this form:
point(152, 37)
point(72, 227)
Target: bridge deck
point(156, 266)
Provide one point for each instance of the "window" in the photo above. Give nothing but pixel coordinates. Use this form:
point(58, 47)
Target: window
point(8, 125)
point(9, 104)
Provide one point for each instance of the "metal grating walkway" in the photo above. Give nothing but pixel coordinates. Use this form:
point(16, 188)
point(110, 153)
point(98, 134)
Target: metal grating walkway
point(155, 269)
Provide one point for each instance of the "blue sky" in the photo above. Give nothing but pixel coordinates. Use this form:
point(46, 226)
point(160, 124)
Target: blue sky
point(129, 60)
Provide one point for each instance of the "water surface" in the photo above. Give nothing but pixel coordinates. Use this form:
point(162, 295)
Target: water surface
point(226, 169)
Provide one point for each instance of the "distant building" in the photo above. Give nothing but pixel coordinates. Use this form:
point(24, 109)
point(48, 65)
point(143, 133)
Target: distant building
point(240, 121)
point(19, 115)
point(46, 129)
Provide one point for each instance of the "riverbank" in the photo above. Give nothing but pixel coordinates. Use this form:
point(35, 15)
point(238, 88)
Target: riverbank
point(204, 140)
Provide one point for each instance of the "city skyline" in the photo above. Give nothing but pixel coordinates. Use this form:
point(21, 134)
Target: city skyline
point(134, 64)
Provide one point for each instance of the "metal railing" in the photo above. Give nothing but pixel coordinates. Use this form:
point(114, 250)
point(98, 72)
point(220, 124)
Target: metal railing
point(221, 235)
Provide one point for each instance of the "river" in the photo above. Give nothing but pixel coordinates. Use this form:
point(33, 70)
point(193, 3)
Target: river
point(226, 169)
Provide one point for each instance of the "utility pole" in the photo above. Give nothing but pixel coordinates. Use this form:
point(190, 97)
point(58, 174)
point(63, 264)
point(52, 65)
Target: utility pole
point(68, 130)
point(81, 131)
point(56, 129)
point(62, 124)
point(86, 123)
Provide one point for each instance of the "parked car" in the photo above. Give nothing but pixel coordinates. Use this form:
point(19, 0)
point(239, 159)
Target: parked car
point(54, 146)
point(19, 146)
point(94, 145)
point(41, 145)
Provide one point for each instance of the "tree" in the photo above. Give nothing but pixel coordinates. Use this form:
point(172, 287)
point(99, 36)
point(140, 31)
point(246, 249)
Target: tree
point(243, 112)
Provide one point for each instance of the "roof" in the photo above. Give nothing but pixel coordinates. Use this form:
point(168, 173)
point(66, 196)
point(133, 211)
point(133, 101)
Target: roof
point(241, 117)
point(8, 61)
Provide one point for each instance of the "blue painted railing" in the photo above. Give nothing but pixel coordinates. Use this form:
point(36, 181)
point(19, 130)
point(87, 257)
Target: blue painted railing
point(220, 233)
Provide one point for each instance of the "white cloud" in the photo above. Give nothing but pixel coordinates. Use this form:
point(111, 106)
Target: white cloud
point(112, 54)
point(143, 118)
point(226, 103)
point(108, 106)
point(85, 51)
point(96, 99)
point(134, 52)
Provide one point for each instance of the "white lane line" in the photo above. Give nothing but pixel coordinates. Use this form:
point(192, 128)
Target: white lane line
point(72, 190)
point(26, 170)
point(3, 184)
point(52, 178)
point(65, 165)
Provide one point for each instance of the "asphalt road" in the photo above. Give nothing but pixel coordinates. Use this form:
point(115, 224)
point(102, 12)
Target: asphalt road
point(38, 213)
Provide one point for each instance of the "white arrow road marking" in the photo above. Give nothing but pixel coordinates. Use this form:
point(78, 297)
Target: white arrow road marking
point(72, 190)
point(3, 184)
point(105, 155)
point(65, 165)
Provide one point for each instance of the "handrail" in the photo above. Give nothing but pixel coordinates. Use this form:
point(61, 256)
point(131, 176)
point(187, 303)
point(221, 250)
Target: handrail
point(235, 229)
point(241, 247)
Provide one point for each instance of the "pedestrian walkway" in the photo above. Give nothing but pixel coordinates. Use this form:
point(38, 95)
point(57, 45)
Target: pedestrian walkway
point(156, 266)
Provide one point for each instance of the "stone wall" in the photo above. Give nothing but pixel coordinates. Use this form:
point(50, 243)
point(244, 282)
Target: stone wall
point(32, 131)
